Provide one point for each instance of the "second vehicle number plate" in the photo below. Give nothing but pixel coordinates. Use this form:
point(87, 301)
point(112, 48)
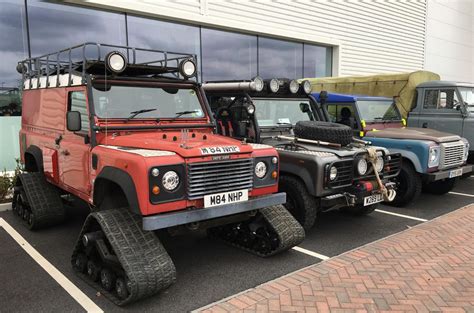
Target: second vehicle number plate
point(376, 198)
point(226, 198)
point(455, 173)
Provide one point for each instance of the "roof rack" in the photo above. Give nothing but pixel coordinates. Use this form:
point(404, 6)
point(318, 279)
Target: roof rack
point(89, 58)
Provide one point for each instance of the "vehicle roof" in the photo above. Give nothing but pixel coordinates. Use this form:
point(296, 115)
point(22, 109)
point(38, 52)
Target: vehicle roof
point(340, 98)
point(444, 83)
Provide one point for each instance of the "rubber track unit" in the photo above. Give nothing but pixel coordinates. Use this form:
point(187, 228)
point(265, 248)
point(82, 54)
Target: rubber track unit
point(290, 233)
point(43, 200)
point(143, 258)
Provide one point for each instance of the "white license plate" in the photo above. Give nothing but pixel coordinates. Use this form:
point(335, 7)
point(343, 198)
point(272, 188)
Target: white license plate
point(376, 198)
point(455, 173)
point(226, 198)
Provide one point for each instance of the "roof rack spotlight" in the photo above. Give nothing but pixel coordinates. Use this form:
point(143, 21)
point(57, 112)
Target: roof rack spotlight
point(306, 86)
point(187, 68)
point(274, 85)
point(294, 86)
point(258, 83)
point(116, 61)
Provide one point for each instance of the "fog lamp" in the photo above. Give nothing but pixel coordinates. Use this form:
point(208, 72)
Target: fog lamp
point(115, 61)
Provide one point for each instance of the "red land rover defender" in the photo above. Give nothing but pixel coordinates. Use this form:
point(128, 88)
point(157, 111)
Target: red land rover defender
point(135, 139)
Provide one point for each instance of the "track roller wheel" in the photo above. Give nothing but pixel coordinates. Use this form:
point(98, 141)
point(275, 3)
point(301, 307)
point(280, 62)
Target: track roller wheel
point(121, 288)
point(107, 279)
point(80, 264)
point(93, 270)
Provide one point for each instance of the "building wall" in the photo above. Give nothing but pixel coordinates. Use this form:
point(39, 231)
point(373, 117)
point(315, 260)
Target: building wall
point(369, 36)
point(450, 39)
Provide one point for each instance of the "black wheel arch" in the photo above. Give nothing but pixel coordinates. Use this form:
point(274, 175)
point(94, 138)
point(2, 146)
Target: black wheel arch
point(33, 159)
point(111, 175)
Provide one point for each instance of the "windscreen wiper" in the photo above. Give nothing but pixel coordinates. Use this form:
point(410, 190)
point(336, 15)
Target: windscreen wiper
point(179, 114)
point(285, 124)
point(135, 113)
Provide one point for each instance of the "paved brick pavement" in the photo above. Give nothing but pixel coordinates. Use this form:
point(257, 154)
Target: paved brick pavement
point(427, 268)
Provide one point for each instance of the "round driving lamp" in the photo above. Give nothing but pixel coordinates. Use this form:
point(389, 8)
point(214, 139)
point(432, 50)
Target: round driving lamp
point(307, 86)
point(274, 85)
point(362, 166)
point(274, 160)
point(260, 169)
point(250, 109)
point(379, 163)
point(115, 62)
point(333, 173)
point(187, 68)
point(170, 180)
point(294, 86)
point(258, 84)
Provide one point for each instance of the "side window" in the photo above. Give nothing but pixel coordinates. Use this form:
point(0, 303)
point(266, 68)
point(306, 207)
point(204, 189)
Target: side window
point(431, 99)
point(77, 102)
point(448, 99)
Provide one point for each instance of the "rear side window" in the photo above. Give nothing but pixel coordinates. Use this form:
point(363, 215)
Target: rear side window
point(78, 102)
point(431, 99)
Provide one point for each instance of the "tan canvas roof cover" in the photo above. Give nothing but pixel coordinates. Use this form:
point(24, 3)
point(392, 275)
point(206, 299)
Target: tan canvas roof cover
point(399, 85)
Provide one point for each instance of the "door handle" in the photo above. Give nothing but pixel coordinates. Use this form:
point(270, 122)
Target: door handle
point(65, 152)
point(58, 140)
point(425, 125)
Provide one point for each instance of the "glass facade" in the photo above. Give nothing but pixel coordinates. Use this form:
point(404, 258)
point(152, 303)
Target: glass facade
point(227, 55)
point(35, 27)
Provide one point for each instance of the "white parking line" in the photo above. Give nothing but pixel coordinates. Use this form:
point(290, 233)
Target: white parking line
point(311, 253)
point(62, 280)
point(461, 194)
point(402, 215)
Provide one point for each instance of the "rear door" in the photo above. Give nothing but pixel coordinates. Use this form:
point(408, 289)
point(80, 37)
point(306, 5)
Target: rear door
point(441, 111)
point(74, 151)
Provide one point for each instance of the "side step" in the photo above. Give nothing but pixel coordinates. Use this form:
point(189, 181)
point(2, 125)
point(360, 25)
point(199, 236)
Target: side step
point(142, 262)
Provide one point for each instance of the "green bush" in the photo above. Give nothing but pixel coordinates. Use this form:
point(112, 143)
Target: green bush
point(7, 182)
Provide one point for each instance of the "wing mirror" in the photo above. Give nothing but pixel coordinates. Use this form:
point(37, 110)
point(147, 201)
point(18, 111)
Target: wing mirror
point(73, 121)
point(304, 107)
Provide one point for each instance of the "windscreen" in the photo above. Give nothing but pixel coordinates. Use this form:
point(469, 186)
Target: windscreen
point(146, 102)
point(467, 95)
point(373, 111)
point(281, 112)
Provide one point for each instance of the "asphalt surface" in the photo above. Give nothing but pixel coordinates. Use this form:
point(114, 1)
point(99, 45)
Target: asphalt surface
point(208, 270)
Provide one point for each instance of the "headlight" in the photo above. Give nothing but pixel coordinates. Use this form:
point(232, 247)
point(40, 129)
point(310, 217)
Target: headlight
point(116, 61)
point(258, 84)
point(260, 169)
point(362, 166)
point(274, 160)
point(274, 85)
point(187, 68)
point(379, 163)
point(433, 156)
point(294, 86)
point(307, 86)
point(250, 109)
point(466, 151)
point(170, 180)
point(333, 173)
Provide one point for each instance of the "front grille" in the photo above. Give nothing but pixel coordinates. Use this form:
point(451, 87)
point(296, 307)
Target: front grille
point(452, 154)
point(393, 164)
point(220, 176)
point(345, 174)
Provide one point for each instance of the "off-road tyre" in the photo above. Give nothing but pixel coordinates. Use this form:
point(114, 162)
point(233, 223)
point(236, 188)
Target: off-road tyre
point(409, 186)
point(299, 202)
point(359, 210)
point(440, 187)
point(146, 267)
point(324, 131)
point(39, 201)
point(272, 231)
